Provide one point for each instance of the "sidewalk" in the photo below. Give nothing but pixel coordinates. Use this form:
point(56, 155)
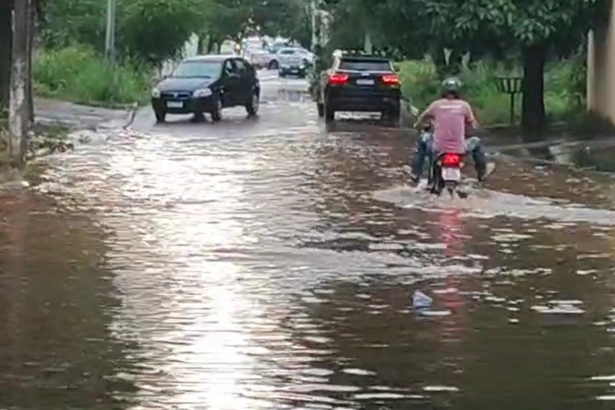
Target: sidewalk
point(75, 116)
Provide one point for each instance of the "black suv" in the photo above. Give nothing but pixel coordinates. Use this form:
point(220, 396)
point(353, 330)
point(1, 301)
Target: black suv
point(359, 83)
point(207, 84)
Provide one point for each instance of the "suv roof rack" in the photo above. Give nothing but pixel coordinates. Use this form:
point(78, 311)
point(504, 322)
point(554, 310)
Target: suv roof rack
point(360, 54)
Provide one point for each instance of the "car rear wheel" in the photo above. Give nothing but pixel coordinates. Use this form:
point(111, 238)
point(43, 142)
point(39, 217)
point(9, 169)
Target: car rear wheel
point(392, 117)
point(199, 116)
point(216, 113)
point(253, 104)
point(395, 120)
point(329, 113)
point(160, 115)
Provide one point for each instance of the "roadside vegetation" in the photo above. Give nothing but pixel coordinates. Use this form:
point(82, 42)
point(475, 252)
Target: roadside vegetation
point(540, 41)
point(79, 74)
point(69, 58)
point(71, 65)
point(564, 95)
point(56, 48)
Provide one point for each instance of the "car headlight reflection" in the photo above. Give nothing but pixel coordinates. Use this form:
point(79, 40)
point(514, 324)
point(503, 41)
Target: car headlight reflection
point(203, 92)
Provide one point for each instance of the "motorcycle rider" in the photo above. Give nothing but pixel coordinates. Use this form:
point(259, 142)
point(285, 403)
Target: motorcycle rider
point(450, 116)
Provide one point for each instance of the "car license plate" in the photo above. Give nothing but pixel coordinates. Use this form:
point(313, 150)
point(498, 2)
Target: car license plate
point(175, 104)
point(451, 174)
point(365, 82)
point(294, 71)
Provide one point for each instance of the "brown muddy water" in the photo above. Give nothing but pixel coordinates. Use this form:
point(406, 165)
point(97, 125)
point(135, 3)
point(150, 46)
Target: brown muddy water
point(270, 264)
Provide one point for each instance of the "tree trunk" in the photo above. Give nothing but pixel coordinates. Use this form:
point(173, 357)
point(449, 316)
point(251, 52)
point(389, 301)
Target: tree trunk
point(368, 46)
point(439, 59)
point(18, 109)
point(454, 62)
point(213, 44)
point(533, 118)
point(6, 39)
point(200, 47)
point(29, 90)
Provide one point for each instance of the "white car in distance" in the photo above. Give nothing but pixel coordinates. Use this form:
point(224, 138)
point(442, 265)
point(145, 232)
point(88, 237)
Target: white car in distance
point(290, 53)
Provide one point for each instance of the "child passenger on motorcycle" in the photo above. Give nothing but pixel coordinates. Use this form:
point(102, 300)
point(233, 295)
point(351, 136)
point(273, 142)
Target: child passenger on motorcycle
point(450, 116)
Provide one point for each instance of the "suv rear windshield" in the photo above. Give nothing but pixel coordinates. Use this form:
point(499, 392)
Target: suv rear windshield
point(364, 65)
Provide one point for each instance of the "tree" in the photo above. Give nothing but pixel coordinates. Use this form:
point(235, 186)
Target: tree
point(234, 19)
point(394, 25)
point(535, 28)
point(6, 39)
point(155, 31)
point(274, 17)
point(66, 22)
point(20, 81)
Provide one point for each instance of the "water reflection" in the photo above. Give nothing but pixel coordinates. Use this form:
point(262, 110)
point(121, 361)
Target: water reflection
point(52, 289)
point(246, 266)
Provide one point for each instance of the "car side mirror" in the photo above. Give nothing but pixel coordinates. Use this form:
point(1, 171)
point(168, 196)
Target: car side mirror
point(396, 67)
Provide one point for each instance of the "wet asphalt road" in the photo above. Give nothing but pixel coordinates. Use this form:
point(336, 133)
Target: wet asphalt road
point(269, 263)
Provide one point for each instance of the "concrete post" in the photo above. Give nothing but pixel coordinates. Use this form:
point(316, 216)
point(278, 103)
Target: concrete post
point(601, 70)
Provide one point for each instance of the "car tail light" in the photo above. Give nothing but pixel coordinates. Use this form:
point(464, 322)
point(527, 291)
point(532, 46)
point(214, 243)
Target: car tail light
point(338, 78)
point(451, 160)
point(390, 79)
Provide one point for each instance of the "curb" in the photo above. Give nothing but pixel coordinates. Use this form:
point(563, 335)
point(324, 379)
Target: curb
point(132, 113)
point(71, 127)
point(130, 110)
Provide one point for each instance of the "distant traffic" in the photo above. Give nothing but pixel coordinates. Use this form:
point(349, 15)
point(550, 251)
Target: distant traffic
point(267, 52)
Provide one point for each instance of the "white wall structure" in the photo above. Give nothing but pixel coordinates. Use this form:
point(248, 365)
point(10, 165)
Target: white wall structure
point(601, 70)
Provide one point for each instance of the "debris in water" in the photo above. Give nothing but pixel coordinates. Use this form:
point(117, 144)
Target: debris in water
point(436, 313)
point(421, 300)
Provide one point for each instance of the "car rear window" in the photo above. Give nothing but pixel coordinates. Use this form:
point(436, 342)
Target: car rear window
point(198, 69)
point(364, 65)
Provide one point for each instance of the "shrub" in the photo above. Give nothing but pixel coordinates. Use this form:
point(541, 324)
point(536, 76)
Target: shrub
point(79, 74)
point(421, 85)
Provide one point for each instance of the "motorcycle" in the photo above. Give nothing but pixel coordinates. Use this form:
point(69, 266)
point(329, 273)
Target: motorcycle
point(445, 174)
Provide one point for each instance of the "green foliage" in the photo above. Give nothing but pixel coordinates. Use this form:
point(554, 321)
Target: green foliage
point(516, 22)
point(66, 22)
point(79, 74)
point(500, 29)
point(482, 27)
point(288, 17)
point(421, 85)
point(150, 30)
point(155, 30)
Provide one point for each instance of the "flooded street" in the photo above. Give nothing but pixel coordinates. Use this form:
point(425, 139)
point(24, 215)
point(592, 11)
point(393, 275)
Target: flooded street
point(270, 263)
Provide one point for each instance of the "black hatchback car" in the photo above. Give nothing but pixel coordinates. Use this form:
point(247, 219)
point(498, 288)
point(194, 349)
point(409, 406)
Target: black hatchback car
point(207, 84)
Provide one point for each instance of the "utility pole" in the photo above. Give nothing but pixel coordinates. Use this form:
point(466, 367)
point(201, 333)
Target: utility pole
point(110, 41)
point(110, 33)
point(314, 28)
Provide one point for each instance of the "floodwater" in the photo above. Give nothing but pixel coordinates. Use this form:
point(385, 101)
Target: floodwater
point(270, 264)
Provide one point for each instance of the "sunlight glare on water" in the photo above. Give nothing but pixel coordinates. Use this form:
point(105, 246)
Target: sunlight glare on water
point(201, 315)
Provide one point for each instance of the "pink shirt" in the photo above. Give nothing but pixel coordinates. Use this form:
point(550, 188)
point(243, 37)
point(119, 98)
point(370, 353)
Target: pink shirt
point(450, 120)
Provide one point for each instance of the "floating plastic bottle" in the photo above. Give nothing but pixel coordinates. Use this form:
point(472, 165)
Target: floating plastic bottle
point(421, 300)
